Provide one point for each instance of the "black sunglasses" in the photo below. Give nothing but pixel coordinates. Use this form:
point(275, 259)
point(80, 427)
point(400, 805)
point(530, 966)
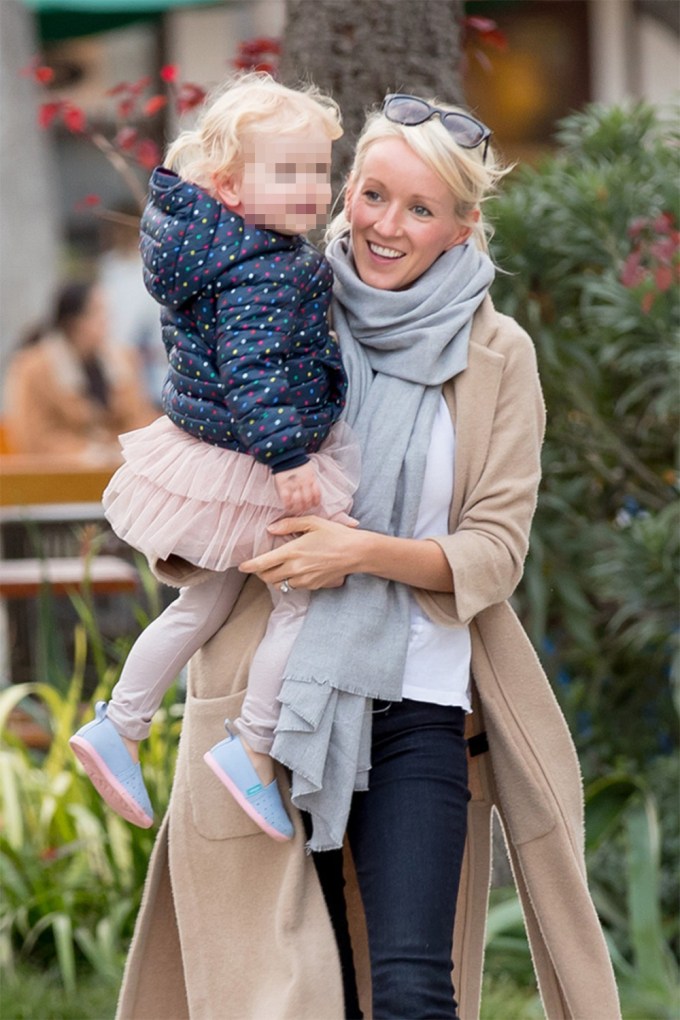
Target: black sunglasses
point(410, 110)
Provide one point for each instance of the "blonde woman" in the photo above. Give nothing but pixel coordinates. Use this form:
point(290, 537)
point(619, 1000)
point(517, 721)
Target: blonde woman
point(251, 432)
point(413, 665)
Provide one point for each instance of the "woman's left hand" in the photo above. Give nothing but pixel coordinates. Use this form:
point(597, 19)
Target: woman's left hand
point(321, 555)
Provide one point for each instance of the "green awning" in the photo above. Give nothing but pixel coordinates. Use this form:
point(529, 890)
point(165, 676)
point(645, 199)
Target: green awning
point(62, 19)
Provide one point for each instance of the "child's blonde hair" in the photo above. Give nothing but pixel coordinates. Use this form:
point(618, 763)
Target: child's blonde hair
point(247, 104)
point(469, 179)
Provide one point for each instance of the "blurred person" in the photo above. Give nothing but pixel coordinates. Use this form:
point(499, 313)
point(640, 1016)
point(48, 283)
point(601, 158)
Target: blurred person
point(69, 390)
point(253, 399)
point(133, 313)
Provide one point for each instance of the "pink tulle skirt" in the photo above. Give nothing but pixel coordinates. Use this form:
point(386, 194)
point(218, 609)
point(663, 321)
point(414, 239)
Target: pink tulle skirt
point(177, 496)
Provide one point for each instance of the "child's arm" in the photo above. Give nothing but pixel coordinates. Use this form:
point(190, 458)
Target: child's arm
point(298, 488)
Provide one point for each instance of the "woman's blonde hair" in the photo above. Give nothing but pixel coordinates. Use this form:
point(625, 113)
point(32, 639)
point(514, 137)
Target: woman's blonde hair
point(247, 104)
point(469, 179)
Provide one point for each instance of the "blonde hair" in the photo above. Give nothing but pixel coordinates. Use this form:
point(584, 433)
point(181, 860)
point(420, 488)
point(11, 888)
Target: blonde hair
point(247, 104)
point(469, 180)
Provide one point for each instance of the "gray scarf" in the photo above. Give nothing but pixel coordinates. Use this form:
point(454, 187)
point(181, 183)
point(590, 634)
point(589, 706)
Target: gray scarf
point(398, 347)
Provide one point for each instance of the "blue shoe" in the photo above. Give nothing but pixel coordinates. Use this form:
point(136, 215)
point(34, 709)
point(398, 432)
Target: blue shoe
point(117, 778)
point(230, 762)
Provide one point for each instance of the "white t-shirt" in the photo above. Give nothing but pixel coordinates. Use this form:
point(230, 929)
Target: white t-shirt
point(438, 658)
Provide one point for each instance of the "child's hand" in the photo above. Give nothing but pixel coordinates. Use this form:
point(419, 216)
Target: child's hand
point(298, 488)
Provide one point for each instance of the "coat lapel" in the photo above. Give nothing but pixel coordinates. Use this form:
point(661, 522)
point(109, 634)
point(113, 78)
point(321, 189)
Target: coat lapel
point(471, 399)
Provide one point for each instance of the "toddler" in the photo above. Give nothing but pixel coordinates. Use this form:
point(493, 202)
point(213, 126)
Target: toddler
point(251, 431)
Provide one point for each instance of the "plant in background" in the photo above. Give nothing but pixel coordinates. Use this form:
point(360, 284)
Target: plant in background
point(589, 243)
point(639, 915)
point(131, 140)
point(71, 870)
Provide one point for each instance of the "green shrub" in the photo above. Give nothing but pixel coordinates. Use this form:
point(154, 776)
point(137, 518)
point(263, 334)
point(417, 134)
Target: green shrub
point(71, 870)
point(589, 242)
point(624, 859)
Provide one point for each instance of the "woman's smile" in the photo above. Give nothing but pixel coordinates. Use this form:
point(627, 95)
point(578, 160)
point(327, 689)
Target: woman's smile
point(385, 253)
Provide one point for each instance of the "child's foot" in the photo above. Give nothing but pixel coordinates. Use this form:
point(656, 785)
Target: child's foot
point(115, 774)
point(262, 763)
point(132, 748)
point(232, 765)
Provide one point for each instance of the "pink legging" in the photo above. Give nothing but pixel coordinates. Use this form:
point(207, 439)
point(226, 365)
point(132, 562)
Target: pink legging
point(167, 644)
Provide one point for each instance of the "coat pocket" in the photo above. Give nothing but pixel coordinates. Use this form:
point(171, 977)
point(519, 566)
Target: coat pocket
point(215, 813)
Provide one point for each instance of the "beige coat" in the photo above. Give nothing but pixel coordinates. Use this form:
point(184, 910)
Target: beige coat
point(233, 925)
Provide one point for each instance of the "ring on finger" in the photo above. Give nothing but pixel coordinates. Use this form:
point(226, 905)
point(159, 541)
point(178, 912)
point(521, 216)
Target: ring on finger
point(285, 586)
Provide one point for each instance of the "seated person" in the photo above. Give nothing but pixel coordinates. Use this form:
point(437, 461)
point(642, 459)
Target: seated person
point(68, 390)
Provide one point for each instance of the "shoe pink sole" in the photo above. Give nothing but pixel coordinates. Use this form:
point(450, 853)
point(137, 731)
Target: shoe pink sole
point(107, 786)
point(243, 802)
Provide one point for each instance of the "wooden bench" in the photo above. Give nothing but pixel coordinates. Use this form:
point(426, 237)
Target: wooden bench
point(28, 479)
point(103, 575)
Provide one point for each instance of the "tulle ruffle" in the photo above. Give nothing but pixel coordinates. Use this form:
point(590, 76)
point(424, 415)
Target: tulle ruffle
point(177, 496)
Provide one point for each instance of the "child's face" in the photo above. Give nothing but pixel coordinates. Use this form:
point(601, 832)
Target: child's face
point(285, 183)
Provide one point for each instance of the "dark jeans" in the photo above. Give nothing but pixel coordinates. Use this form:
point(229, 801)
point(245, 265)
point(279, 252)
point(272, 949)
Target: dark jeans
point(407, 835)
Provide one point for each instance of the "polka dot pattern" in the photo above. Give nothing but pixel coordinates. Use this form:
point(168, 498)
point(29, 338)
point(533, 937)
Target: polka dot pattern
point(244, 313)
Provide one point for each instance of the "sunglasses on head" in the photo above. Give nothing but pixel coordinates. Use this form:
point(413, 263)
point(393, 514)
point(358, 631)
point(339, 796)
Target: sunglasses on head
point(410, 110)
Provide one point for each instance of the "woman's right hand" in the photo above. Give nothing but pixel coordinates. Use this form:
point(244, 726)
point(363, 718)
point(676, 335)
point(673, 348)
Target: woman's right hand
point(320, 556)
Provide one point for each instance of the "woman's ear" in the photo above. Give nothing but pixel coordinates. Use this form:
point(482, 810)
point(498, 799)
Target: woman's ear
point(463, 231)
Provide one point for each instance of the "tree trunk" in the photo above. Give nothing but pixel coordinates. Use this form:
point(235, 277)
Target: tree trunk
point(357, 50)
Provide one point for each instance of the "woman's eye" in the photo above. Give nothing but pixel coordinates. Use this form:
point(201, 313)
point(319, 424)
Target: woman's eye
point(421, 210)
point(372, 196)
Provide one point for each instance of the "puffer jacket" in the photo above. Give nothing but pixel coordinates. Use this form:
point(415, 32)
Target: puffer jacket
point(253, 366)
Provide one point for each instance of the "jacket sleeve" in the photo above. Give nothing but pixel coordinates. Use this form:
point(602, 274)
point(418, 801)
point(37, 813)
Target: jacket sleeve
point(486, 551)
point(254, 340)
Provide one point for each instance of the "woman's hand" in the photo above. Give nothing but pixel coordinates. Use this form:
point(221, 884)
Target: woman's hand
point(321, 555)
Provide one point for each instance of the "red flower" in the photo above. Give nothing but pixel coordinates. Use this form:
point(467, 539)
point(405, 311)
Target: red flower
point(484, 31)
point(147, 154)
point(43, 75)
point(664, 223)
point(126, 107)
point(648, 299)
point(74, 119)
point(47, 113)
point(126, 138)
point(169, 72)
point(89, 202)
point(154, 104)
point(663, 278)
point(189, 96)
point(256, 54)
point(632, 273)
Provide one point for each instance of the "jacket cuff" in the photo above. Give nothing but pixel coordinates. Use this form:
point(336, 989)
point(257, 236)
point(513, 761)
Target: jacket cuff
point(287, 461)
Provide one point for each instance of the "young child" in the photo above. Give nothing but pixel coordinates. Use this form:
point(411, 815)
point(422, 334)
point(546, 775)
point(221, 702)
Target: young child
point(252, 399)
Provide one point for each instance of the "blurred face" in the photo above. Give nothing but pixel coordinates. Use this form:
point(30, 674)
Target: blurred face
point(88, 331)
point(285, 183)
point(401, 216)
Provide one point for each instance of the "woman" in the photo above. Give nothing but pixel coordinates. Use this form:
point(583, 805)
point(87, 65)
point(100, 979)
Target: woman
point(70, 392)
point(445, 399)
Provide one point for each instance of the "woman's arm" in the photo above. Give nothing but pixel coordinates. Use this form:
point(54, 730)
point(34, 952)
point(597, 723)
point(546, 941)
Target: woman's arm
point(326, 552)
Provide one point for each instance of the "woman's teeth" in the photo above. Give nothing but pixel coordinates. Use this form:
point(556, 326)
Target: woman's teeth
point(385, 253)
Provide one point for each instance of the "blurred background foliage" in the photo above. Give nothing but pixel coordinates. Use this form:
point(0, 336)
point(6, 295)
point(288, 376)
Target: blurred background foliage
point(588, 241)
point(588, 244)
point(589, 247)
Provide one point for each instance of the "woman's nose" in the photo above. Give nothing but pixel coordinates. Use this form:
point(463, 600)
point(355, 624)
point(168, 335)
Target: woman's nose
point(389, 224)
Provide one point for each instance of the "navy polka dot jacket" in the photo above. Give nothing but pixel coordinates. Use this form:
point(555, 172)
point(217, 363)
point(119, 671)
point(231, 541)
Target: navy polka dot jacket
point(244, 317)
